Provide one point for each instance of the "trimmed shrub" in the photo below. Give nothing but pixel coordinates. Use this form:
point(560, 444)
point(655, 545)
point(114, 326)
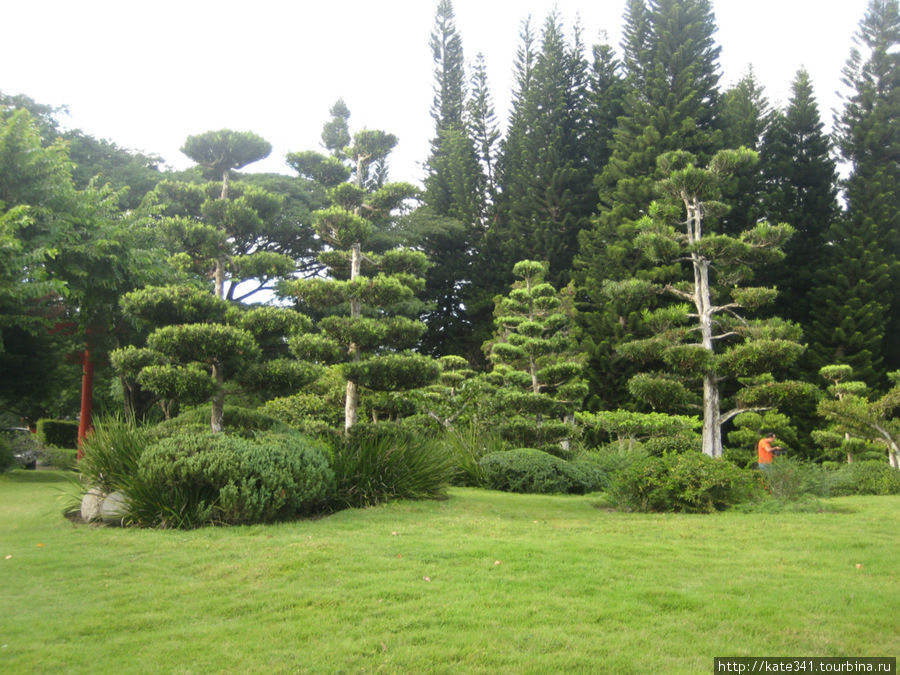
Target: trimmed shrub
point(869, 477)
point(61, 433)
point(375, 466)
point(612, 460)
point(237, 421)
point(189, 480)
point(688, 483)
point(535, 471)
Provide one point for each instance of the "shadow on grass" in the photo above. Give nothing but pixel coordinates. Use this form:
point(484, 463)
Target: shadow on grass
point(37, 476)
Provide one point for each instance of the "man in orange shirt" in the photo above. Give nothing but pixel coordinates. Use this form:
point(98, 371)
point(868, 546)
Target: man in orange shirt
point(765, 452)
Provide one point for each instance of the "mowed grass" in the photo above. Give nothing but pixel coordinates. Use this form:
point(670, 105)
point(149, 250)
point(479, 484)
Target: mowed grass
point(480, 582)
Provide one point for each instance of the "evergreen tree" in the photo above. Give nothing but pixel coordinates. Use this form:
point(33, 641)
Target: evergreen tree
point(704, 340)
point(671, 103)
point(869, 140)
point(800, 185)
point(545, 180)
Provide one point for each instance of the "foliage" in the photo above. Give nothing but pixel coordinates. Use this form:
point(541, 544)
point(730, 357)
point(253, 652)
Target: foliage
point(61, 433)
point(534, 471)
point(371, 468)
point(689, 483)
point(865, 478)
point(7, 460)
point(789, 479)
point(237, 422)
point(112, 452)
point(189, 480)
point(466, 445)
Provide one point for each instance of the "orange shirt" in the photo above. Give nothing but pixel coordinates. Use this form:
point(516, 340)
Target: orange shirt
point(764, 451)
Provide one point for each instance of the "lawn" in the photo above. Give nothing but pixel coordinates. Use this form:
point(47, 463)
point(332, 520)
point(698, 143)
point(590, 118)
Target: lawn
point(480, 582)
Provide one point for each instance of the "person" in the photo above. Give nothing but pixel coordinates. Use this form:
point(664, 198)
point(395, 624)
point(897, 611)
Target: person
point(765, 451)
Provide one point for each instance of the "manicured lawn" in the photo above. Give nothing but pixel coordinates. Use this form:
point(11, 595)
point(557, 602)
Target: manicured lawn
point(481, 582)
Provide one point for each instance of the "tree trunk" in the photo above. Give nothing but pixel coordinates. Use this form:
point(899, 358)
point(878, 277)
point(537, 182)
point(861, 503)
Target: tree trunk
point(87, 400)
point(351, 401)
point(217, 421)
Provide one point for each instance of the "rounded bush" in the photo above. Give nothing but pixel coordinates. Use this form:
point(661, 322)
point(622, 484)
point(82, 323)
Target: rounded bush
point(688, 483)
point(194, 479)
point(534, 471)
point(238, 421)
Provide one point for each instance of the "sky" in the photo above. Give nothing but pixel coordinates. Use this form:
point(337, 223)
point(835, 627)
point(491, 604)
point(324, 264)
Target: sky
point(146, 75)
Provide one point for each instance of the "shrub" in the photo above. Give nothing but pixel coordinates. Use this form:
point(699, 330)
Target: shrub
point(466, 447)
point(61, 433)
point(237, 421)
point(188, 480)
point(111, 454)
point(535, 471)
point(20, 447)
point(373, 467)
point(7, 461)
point(868, 477)
point(612, 460)
point(688, 483)
point(788, 478)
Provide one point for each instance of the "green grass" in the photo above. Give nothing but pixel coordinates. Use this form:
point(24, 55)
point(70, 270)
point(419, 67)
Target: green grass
point(577, 588)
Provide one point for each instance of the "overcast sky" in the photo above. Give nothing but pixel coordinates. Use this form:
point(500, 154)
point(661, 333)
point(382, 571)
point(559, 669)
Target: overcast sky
point(148, 74)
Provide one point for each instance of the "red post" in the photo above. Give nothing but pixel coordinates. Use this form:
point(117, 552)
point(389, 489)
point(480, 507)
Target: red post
point(87, 399)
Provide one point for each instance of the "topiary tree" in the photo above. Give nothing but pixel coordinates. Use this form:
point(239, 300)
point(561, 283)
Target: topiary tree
point(705, 339)
point(856, 417)
point(199, 342)
point(367, 305)
point(537, 363)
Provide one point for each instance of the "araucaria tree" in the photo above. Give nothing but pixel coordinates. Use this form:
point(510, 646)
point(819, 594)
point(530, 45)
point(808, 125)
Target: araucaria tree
point(705, 339)
point(537, 362)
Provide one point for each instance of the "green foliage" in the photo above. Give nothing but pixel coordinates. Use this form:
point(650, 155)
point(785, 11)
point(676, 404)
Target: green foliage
point(237, 421)
point(533, 471)
point(789, 479)
point(378, 465)
point(865, 478)
point(689, 483)
point(205, 343)
point(7, 460)
point(393, 372)
point(61, 433)
point(224, 150)
point(164, 305)
point(198, 479)
point(189, 385)
point(112, 452)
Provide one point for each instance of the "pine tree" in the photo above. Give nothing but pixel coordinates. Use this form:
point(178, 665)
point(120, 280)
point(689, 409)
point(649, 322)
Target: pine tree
point(800, 186)
point(671, 103)
point(869, 140)
point(545, 178)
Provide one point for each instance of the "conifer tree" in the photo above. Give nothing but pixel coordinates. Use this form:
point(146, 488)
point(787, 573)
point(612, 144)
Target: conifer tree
point(800, 188)
point(537, 364)
point(869, 140)
point(704, 340)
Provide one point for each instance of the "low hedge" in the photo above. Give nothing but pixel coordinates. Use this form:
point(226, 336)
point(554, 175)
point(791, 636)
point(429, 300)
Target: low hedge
point(61, 433)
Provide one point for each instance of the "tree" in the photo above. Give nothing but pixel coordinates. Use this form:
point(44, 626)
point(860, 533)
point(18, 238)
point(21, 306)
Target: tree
point(855, 416)
point(671, 103)
point(545, 177)
point(705, 336)
point(363, 320)
point(221, 152)
point(199, 341)
point(800, 188)
point(868, 137)
point(536, 360)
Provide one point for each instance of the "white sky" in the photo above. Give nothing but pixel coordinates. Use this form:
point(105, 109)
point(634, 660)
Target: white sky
point(148, 74)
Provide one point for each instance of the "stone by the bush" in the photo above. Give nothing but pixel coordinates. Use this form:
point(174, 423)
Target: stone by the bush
point(114, 508)
point(91, 505)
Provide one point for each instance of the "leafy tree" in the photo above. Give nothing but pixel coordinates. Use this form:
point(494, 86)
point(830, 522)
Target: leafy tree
point(704, 336)
point(536, 361)
point(854, 415)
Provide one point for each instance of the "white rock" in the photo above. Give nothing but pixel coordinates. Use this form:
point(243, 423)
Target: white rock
point(91, 505)
point(114, 508)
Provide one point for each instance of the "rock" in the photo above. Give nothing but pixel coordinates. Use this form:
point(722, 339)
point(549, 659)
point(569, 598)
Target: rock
point(114, 508)
point(91, 505)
